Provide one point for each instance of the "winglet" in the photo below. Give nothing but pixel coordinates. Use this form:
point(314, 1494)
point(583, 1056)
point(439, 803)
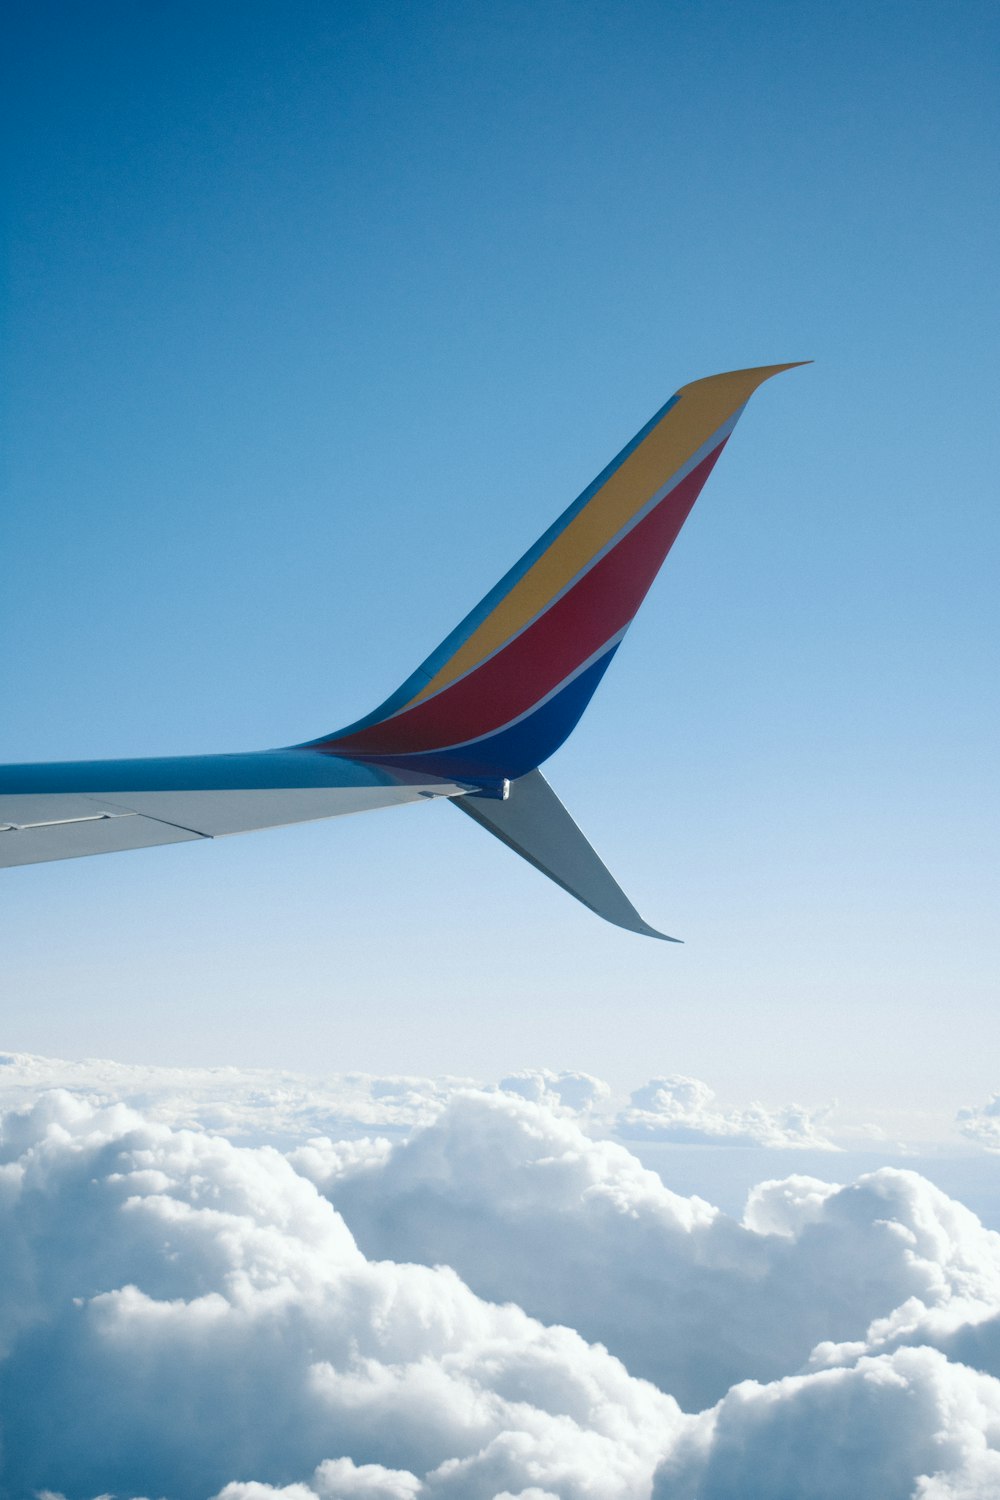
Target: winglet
point(533, 822)
point(507, 686)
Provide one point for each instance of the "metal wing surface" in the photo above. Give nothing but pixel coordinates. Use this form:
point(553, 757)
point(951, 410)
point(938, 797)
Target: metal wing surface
point(67, 810)
point(476, 719)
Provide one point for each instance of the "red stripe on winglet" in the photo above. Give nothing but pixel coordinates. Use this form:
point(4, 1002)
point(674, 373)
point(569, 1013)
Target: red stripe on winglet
point(571, 630)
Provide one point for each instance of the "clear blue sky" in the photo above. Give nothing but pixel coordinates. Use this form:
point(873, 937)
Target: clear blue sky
point(316, 315)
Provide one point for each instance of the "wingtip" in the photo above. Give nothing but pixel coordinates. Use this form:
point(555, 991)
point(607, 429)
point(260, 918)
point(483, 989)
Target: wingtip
point(740, 385)
point(642, 928)
point(768, 370)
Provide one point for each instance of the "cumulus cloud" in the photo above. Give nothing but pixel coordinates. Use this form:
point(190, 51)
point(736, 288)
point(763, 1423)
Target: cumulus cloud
point(254, 1105)
point(496, 1307)
point(526, 1207)
point(682, 1110)
point(180, 1314)
point(909, 1426)
point(982, 1123)
point(578, 1092)
point(785, 1207)
point(335, 1479)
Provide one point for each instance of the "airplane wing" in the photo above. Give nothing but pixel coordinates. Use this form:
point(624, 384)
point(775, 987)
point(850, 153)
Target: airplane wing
point(475, 721)
point(97, 807)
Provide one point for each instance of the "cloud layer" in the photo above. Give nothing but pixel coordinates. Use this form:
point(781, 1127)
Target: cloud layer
point(982, 1124)
point(494, 1304)
point(180, 1313)
point(526, 1207)
point(282, 1108)
point(683, 1110)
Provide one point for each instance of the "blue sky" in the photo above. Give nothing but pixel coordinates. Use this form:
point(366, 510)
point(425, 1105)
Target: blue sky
point(315, 318)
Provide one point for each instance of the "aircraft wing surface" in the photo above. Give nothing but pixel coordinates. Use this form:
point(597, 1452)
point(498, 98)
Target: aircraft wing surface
point(474, 721)
point(67, 810)
point(533, 822)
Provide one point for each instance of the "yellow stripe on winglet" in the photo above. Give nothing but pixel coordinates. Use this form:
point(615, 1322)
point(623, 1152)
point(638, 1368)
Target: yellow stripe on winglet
point(701, 410)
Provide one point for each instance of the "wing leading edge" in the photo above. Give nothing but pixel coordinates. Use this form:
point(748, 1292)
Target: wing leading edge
point(473, 722)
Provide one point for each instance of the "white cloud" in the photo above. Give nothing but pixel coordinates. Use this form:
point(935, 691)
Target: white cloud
point(682, 1110)
point(338, 1478)
point(581, 1093)
point(897, 1426)
point(184, 1317)
point(179, 1314)
point(259, 1106)
point(254, 1490)
point(784, 1208)
point(982, 1123)
point(334, 1479)
point(252, 1105)
point(527, 1207)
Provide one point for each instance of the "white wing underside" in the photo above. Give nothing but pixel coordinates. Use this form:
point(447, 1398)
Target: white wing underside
point(68, 825)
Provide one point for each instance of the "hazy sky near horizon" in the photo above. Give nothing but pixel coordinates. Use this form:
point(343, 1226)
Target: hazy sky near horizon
point(315, 317)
